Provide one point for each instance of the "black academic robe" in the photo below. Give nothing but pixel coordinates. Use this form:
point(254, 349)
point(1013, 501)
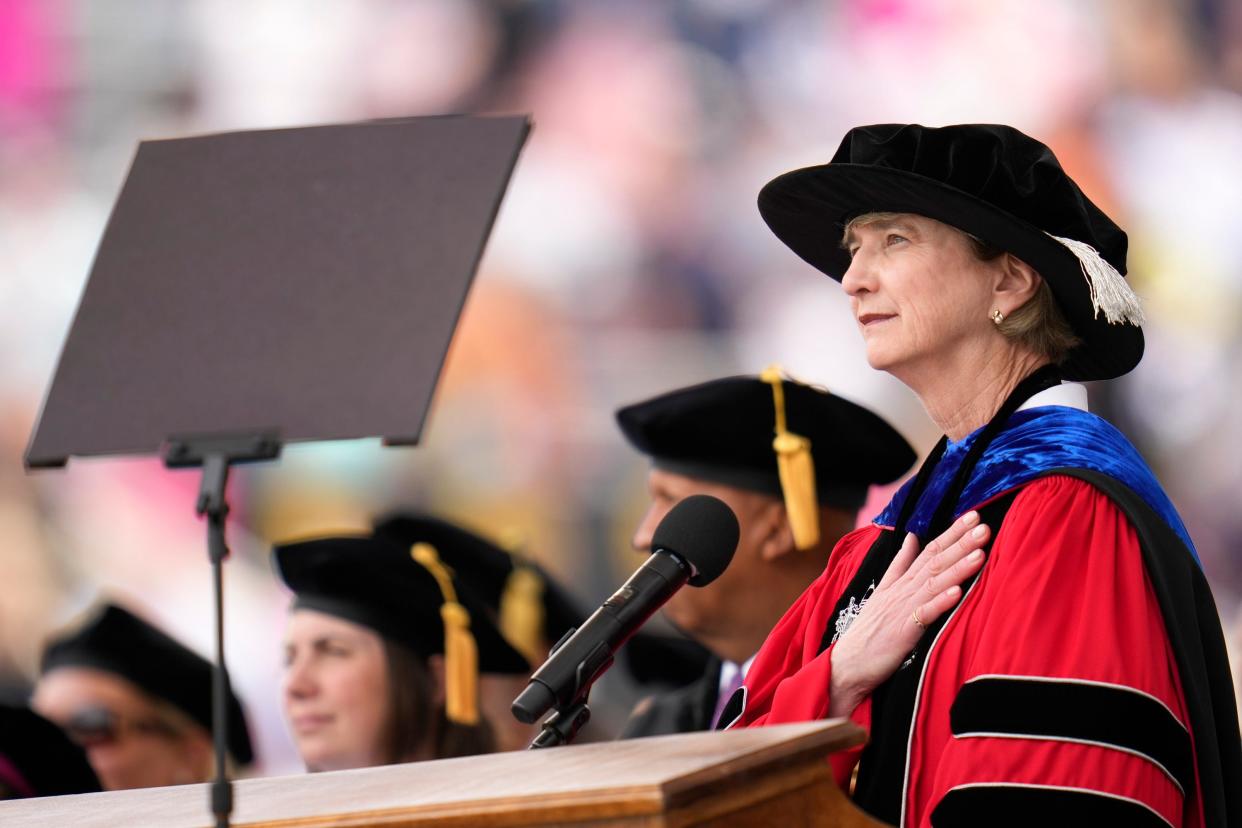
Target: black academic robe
point(684, 710)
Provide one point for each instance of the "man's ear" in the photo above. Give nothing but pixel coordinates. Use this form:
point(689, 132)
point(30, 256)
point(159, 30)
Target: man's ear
point(435, 664)
point(1016, 284)
point(778, 539)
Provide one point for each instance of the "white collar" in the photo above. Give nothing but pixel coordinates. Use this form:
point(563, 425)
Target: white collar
point(729, 669)
point(1067, 394)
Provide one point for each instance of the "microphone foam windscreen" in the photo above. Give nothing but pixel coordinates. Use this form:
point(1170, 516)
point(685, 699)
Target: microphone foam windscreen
point(704, 531)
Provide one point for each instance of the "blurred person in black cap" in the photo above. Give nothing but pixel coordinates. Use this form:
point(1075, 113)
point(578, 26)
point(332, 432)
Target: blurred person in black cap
point(794, 463)
point(1025, 631)
point(383, 652)
point(138, 701)
point(38, 759)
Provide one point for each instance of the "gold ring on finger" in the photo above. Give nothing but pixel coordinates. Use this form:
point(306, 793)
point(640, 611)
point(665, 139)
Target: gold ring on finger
point(914, 616)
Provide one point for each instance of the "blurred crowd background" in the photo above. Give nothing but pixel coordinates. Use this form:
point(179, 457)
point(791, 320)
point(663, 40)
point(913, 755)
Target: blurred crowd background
point(628, 257)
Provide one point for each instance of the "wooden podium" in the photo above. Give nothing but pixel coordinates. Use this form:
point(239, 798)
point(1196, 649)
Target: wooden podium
point(774, 776)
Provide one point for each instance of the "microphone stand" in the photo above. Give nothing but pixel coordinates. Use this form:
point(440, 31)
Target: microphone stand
point(567, 719)
point(563, 725)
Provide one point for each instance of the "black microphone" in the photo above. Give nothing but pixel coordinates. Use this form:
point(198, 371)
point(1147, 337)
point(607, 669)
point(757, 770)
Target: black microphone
point(694, 542)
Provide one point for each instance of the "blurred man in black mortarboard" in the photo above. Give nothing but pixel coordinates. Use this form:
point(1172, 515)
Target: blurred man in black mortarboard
point(38, 759)
point(383, 652)
point(138, 701)
point(794, 463)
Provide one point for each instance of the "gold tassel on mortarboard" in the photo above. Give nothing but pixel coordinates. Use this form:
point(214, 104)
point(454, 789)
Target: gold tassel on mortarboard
point(522, 613)
point(521, 607)
point(796, 469)
point(461, 653)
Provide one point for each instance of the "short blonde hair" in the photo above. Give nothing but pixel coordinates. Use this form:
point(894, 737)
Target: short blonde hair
point(1039, 325)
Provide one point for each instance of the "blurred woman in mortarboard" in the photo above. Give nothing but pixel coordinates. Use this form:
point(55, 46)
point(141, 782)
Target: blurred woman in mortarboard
point(1025, 630)
point(382, 655)
point(530, 609)
point(137, 700)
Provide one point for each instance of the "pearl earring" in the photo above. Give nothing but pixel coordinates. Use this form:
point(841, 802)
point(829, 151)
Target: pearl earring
point(997, 316)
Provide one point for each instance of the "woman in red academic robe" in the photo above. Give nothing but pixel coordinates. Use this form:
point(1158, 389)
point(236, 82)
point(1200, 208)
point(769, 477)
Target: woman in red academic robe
point(1025, 631)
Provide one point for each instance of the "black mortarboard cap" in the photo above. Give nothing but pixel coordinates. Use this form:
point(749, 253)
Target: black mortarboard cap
point(723, 430)
point(488, 571)
point(117, 641)
point(376, 582)
point(38, 759)
point(993, 182)
point(506, 582)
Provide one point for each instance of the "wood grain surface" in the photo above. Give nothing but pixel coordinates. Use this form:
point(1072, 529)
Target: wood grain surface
point(762, 776)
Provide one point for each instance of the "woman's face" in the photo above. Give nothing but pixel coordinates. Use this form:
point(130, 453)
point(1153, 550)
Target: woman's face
point(335, 691)
point(919, 294)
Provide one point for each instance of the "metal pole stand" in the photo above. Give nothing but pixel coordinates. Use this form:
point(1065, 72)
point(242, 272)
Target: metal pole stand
point(216, 453)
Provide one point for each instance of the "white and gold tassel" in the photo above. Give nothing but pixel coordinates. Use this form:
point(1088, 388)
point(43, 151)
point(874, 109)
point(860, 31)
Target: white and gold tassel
point(1110, 293)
